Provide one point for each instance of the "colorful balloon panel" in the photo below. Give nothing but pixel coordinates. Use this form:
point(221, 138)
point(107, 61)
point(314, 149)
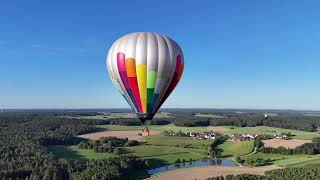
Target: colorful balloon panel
point(145, 67)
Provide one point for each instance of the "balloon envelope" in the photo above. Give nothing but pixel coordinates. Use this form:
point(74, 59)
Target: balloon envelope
point(145, 67)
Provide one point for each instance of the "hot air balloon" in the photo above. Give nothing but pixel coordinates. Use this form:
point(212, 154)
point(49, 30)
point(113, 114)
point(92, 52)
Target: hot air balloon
point(145, 67)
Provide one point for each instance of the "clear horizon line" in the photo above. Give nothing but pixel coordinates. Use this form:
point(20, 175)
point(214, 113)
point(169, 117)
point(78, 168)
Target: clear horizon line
point(277, 109)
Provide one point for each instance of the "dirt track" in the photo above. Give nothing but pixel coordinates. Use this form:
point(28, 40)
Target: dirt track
point(291, 143)
point(217, 128)
point(210, 171)
point(131, 135)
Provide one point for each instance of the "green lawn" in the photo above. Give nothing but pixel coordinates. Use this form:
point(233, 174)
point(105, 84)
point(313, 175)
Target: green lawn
point(162, 140)
point(304, 163)
point(236, 148)
point(159, 150)
point(172, 127)
point(73, 152)
point(151, 151)
point(167, 155)
point(287, 160)
point(169, 127)
point(120, 128)
point(271, 130)
point(162, 150)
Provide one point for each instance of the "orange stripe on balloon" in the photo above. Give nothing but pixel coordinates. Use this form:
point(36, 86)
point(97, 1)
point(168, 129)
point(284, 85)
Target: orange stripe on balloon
point(131, 67)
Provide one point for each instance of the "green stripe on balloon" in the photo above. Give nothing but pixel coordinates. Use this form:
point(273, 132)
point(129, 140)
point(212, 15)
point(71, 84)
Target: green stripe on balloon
point(151, 82)
point(150, 92)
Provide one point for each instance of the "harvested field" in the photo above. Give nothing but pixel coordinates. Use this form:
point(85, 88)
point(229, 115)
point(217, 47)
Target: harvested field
point(131, 135)
point(218, 128)
point(208, 115)
point(291, 143)
point(210, 171)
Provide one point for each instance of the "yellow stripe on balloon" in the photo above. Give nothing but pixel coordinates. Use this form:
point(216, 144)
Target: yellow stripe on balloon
point(142, 83)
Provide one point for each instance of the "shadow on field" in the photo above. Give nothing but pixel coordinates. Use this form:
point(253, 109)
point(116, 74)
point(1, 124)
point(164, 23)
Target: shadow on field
point(154, 163)
point(66, 152)
point(100, 129)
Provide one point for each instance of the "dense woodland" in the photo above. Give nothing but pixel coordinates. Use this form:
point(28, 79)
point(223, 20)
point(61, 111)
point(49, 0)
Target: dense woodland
point(120, 167)
point(307, 172)
point(23, 152)
point(286, 121)
point(299, 122)
point(307, 148)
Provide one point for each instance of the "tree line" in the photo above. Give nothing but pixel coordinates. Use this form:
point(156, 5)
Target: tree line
point(23, 152)
point(298, 122)
point(310, 172)
point(311, 148)
point(108, 144)
point(295, 122)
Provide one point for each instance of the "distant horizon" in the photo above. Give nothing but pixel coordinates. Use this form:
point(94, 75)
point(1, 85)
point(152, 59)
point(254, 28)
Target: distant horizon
point(171, 108)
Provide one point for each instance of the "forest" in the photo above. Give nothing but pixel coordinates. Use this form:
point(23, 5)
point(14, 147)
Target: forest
point(108, 144)
point(295, 122)
point(286, 121)
point(307, 172)
point(23, 154)
point(298, 122)
point(311, 148)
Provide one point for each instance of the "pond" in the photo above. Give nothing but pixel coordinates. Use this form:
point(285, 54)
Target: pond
point(219, 162)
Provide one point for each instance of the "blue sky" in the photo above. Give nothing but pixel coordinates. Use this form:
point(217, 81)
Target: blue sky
point(238, 54)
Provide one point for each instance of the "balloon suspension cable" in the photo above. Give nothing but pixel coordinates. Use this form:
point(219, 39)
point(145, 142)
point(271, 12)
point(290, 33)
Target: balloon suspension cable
point(145, 124)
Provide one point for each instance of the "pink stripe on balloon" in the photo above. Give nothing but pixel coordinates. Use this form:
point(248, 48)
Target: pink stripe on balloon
point(121, 62)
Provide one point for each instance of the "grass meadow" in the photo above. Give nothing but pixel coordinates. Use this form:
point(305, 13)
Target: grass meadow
point(233, 149)
point(287, 160)
point(162, 150)
point(73, 152)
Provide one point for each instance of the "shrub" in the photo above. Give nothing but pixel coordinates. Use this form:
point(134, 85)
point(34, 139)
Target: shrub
point(177, 161)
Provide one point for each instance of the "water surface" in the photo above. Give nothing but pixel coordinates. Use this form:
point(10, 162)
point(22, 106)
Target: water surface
point(223, 162)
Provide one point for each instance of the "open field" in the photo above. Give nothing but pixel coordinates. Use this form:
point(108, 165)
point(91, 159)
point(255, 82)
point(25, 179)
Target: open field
point(291, 143)
point(149, 151)
point(285, 160)
point(157, 151)
point(169, 127)
point(162, 150)
point(220, 129)
point(208, 115)
point(120, 128)
point(317, 114)
point(236, 148)
point(131, 135)
point(162, 140)
point(210, 171)
point(125, 115)
point(272, 130)
point(73, 152)
point(164, 155)
point(228, 130)
point(304, 163)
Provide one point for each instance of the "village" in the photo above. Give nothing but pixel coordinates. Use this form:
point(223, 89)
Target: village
point(234, 137)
